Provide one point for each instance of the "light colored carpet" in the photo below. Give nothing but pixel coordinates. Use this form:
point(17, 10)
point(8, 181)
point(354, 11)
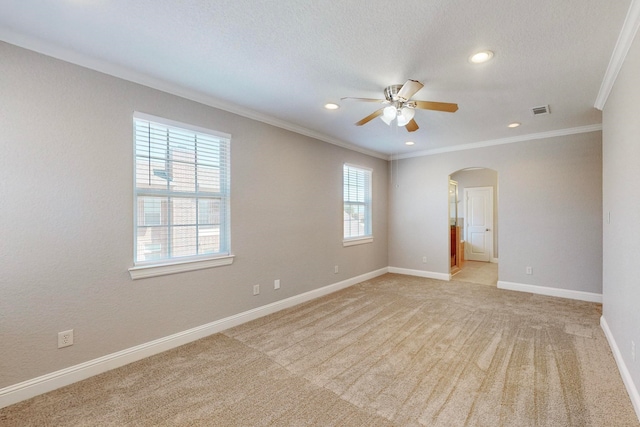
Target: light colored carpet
point(485, 273)
point(392, 351)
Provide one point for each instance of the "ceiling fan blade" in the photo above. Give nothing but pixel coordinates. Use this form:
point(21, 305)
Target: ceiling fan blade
point(437, 106)
point(412, 126)
point(409, 89)
point(370, 117)
point(363, 99)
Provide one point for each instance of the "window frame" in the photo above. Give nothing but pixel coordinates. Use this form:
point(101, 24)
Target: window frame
point(178, 264)
point(367, 236)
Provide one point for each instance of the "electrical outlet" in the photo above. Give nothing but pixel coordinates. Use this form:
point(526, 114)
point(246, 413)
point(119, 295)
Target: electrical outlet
point(65, 338)
point(335, 269)
point(276, 284)
point(633, 350)
point(529, 270)
point(256, 289)
point(424, 259)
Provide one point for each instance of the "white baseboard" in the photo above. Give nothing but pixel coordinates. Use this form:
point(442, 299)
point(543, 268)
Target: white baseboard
point(493, 260)
point(54, 380)
point(622, 367)
point(552, 292)
point(420, 273)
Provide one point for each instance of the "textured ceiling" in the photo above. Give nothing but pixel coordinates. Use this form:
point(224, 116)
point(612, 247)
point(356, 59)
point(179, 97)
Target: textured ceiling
point(281, 61)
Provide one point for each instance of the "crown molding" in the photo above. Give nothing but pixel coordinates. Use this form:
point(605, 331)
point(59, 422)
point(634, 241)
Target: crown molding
point(625, 40)
point(502, 141)
point(48, 49)
point(67, 55)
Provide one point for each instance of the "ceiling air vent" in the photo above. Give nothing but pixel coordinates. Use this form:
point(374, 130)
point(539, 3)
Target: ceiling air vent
point(540, 111)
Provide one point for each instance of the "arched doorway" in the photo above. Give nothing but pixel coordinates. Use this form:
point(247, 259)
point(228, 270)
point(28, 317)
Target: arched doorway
point(473, 225)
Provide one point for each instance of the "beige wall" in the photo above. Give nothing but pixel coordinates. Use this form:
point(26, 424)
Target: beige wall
point(550, 209)
point(621, 198)
point(66, 187)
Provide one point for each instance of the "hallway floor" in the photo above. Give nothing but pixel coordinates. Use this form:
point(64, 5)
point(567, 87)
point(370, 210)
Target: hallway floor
point(485, 273)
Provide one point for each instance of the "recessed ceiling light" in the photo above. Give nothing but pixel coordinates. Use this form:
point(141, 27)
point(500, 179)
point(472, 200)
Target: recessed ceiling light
point(409, 143)
point(331, 106)
point(481, 57)
point(513, 125)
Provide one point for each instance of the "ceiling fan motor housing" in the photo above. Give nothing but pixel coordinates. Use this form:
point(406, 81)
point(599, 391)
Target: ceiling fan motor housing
point(391, 93)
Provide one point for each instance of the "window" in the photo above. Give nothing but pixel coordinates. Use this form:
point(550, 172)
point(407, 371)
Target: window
point(181, 192)
point(152, 211)
point(357, 205)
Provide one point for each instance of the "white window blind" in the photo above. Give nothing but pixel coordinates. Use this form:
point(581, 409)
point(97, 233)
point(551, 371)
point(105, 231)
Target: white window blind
point(357, 202)
point(181, 191)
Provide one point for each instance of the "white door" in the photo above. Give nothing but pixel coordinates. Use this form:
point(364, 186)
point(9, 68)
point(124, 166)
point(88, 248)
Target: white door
point(478, 220)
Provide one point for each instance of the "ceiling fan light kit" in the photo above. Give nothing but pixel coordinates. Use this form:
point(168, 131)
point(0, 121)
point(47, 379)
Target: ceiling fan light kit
point(405, 115)
point(400, 106)
point(389, 113)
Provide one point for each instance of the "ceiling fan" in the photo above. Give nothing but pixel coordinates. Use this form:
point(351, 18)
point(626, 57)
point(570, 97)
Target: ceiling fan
point(401, 107)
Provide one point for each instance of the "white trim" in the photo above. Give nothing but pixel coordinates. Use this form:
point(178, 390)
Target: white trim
point(510, 140)
point(493, 260)
point(48, 382)
point(67, 55)
point(625, 40)
point(622, 367)
point(145, 271)
point(421, 273)
point(552, 292)
point(358, 241)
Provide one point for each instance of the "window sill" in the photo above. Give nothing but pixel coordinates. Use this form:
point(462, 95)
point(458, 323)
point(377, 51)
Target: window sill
point(358, 241)
point(145, 271)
